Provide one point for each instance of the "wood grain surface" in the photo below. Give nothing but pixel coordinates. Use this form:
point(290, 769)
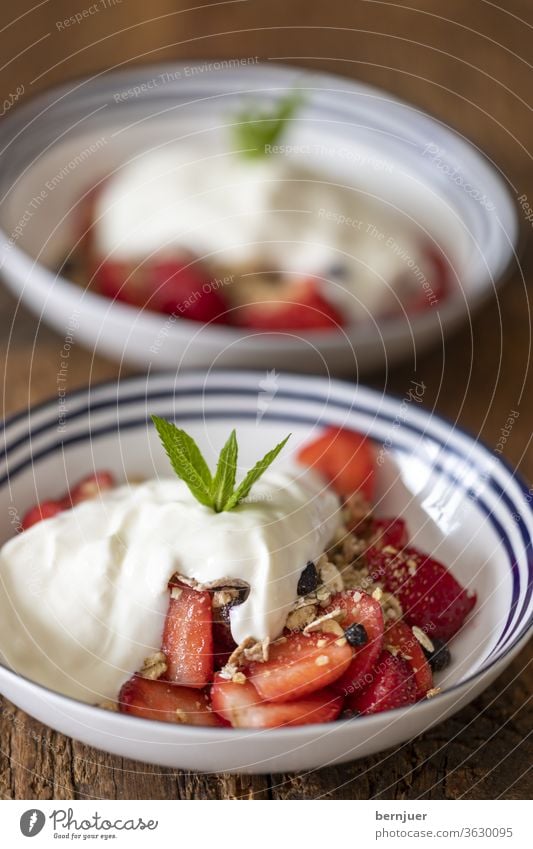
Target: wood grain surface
point(468, 64)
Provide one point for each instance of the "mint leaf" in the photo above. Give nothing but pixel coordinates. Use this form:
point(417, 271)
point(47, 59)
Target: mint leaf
point(257, 128)
point(217, 492)
point(253, 476)
point(186, 459)
point(224, 480)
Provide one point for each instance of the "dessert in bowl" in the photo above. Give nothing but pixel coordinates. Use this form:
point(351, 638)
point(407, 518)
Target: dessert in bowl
point(344, 645)
point(189, 222)
point(239, 232)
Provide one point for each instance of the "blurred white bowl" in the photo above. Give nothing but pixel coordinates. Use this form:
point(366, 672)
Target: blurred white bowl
point(62, 142)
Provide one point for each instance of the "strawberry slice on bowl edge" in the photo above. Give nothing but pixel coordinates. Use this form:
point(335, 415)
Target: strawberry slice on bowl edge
point(345, 458)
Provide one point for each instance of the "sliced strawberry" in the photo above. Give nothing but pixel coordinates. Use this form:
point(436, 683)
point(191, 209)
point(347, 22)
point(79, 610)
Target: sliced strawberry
point(299, 665)
point(89, 487)
point(231, 700)
point(44, 510)
point(167, 702)
point(242, 706)
point(300, 306)
point(359, 609)
point(389, 532)
point(188, 638)
point(85, 489)
point(345, 458)
point(429, 594)
point(399, 639)
point(392, 686)
point(186, 290)
point(164, 285)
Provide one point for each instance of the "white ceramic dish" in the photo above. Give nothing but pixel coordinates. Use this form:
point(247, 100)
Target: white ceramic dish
point(61, 143)
point(459, 501)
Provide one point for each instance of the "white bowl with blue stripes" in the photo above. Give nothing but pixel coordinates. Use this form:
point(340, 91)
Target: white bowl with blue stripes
point(460, 501)
point(59, 144)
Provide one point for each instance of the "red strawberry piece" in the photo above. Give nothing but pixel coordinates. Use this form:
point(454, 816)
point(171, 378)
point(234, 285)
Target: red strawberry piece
point(186, 290)
point(400, 640)
point(118, 281)
point(44, 510)
point(242, 706)
point(300, 306)
point(389, 532)
point(392, 686)
point(188, 638)
point(429, 594)
point(164, 285)
point(359, 609)
point(345, 458)
point(90, 487)
point(167, 702)
point(299, 664)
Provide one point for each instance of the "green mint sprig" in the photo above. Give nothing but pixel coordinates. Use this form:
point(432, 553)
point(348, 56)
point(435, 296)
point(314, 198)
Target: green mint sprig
point(256, 129)
point(216, 491)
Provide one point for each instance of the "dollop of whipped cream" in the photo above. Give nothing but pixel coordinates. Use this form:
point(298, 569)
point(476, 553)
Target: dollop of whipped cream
point(83, 595)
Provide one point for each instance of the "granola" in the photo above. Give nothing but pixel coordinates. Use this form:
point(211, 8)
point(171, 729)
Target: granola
point(154, 666)
point(223, 598)
point(220, 584)
point(343, 567)
point(423, 639)
point(326, 621)
point(329, 575)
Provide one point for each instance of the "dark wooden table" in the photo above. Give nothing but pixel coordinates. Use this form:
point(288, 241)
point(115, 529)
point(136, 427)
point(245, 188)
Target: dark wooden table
point(467, 64)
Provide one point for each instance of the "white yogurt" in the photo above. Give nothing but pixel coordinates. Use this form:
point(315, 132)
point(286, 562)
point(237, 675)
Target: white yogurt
point(267, 213)
point(83, 595)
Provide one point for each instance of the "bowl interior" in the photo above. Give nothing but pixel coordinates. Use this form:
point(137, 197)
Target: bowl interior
point(459, 502)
